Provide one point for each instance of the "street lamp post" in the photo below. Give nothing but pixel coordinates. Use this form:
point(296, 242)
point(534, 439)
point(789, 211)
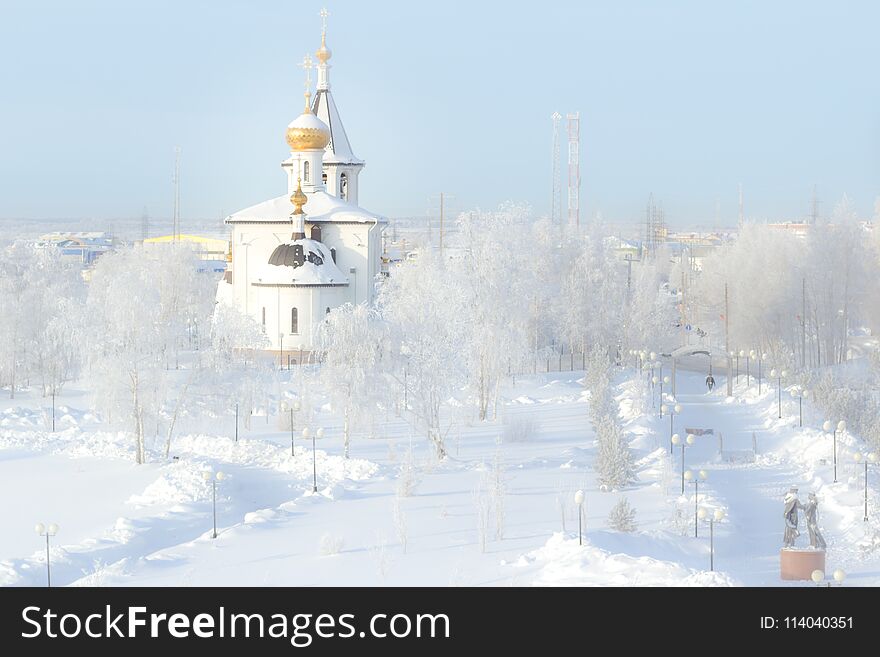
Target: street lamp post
point(317, 434)
point(841, 427)
point(872, 459)
point(236, 421)
point(579, 501)
point(672, 410)
point(663, 379)
point(695, 480)
point(280, 351)
point(214, 478)
point(779, 375)
point(744, 354)
point(760, 360)
point(716, 516)
point(292, 409)
point(676, 440)
point(800, 394)
point(43, 530)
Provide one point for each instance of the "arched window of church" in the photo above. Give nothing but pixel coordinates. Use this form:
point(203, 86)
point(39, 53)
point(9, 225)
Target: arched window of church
point(343, 186)
point(294, 320)
point(306, 171)
point(333, 254)
point(324, 177)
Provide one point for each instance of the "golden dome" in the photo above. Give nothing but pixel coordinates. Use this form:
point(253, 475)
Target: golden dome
point(307, 132)
point(323, 53)
point(298, 198)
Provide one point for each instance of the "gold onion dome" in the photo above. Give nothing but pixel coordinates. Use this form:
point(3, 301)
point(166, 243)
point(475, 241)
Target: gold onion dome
point(323, 53)
point(298, 198)
point(307, 132)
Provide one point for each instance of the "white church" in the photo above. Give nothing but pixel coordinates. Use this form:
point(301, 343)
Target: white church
point(297, 256)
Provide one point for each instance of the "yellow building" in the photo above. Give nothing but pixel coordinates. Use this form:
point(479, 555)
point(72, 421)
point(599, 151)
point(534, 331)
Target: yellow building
point(208, 248)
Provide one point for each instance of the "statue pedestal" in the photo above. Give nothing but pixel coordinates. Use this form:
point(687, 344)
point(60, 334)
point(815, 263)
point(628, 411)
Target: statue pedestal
point(797, 563)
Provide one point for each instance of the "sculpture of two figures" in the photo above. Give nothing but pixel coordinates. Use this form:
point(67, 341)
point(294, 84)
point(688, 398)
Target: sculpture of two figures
point(811, 517)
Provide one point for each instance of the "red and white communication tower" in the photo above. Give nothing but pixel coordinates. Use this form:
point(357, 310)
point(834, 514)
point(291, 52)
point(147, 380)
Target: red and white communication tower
point(574, 170)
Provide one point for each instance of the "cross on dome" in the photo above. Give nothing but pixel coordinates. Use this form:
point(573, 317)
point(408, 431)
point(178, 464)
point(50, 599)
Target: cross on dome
point(323, 53)
point(308, 64)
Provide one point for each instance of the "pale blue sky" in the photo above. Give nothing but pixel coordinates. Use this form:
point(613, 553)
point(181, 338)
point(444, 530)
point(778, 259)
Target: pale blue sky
point(682, 99)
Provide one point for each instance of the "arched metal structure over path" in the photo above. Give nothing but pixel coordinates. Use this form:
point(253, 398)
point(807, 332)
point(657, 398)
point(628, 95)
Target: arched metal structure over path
point(683, 352)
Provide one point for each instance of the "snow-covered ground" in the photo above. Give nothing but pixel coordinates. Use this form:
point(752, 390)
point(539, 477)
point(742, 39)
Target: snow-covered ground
point(393, 515)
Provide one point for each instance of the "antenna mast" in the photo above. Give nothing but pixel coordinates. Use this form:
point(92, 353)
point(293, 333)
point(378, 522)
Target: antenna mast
point(574, 172)
point(556, 200)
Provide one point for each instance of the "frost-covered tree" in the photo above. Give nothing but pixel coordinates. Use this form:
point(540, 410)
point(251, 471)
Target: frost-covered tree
point(139, 317)
point(614, 461)
point(797, 298)
point(650, 311)
point(422, 306)
point(186, 298)
point(622, 517)
point(592, 290)
point(126, 339)
point(495, 330)
point(351, 341)
point(41, 300)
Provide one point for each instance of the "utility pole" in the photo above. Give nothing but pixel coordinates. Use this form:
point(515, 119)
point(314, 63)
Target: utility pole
point(804, 323)
point(629, 272)
point(727, 340)
point(441, 225)
point(814, 206)
point(176, 180)
point(683, 319)
point(742, 216)
point(145, 224)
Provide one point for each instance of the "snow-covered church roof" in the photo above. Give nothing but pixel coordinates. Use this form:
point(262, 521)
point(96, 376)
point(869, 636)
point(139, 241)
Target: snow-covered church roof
point(338, 151)
point(321, 206)
point(316, 268)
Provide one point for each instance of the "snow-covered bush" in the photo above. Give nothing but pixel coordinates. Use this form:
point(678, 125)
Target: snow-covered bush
point(408, 479)
point(518, 428)
point(330, 544)
point(496, 493)
point(622, 517)
point(400, 525)
point(381, 556)
point(483, 507)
